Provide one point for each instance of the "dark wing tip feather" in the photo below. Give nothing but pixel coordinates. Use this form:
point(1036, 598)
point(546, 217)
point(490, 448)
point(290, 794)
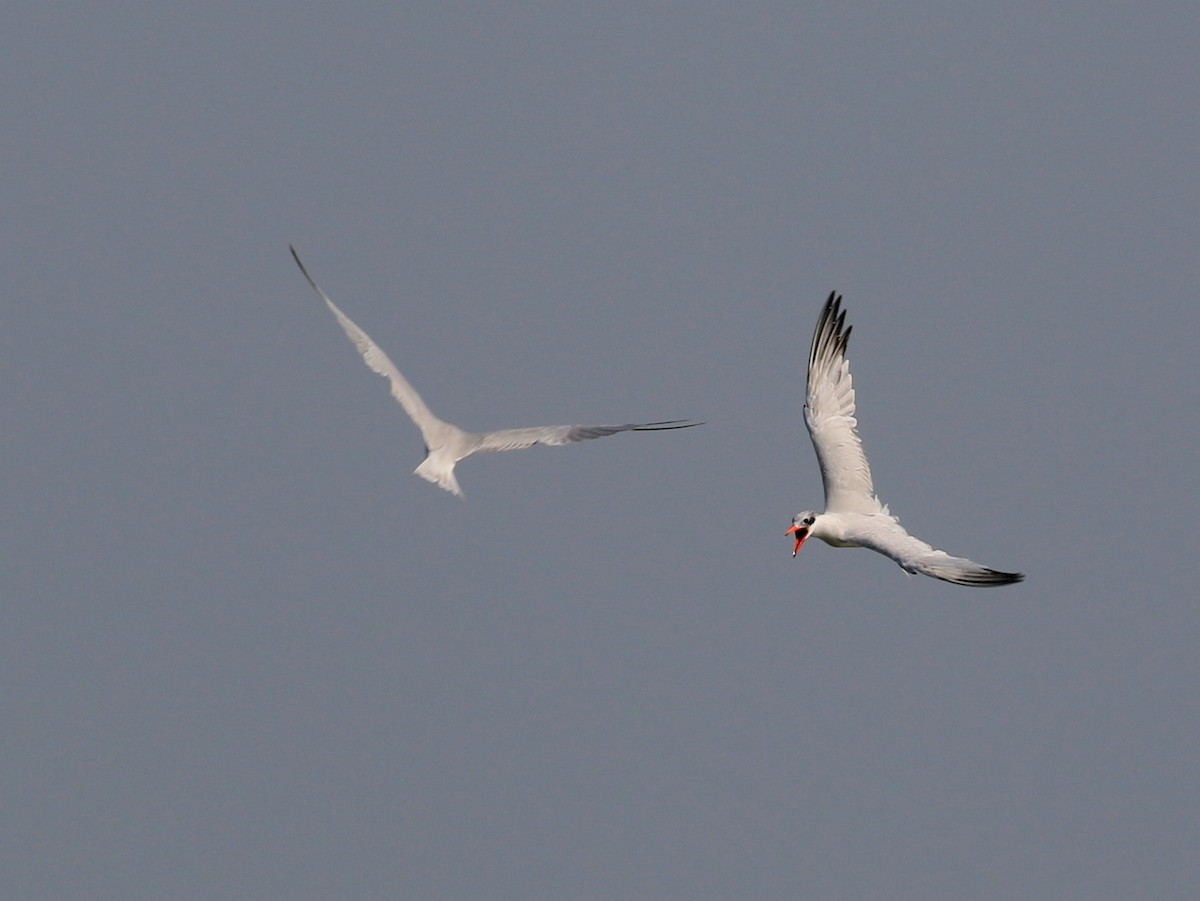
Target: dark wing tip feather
point(996, 577)
point(987, 578)
point(832, 335)
point(296, 257)
point(665, 425)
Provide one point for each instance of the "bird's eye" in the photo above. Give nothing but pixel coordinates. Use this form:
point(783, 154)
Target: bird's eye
point(809, 520)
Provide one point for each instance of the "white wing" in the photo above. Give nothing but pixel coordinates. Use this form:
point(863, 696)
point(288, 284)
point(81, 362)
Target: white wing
point(433, 430)
point(829, 415)
point(885, 535)
point(553, 435)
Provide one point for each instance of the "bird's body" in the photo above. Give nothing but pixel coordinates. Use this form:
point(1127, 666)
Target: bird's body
point(445, 443)
point(854, 516)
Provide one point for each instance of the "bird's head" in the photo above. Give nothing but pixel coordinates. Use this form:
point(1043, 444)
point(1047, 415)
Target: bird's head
point(802, 524)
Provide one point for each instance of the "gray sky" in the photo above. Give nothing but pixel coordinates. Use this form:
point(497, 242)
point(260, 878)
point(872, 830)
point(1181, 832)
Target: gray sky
point(247, 654)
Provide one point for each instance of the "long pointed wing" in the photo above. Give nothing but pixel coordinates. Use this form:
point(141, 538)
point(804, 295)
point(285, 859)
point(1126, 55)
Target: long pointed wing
point(553, 435)
point(962, 571)
point(378, 362)
point(829, 415)
point(889, 538)
point(917, 556)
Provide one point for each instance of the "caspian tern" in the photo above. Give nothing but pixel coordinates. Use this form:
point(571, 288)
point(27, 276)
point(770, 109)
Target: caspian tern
point(854, 516)
point(445, 443)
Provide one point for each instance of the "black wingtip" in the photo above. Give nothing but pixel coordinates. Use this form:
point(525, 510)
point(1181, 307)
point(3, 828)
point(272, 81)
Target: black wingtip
point(831, 334)
point(311, 281)
point(992, 577)
point(665, 425)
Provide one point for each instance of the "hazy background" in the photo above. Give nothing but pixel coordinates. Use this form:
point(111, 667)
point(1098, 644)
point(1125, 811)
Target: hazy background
point(247, 654)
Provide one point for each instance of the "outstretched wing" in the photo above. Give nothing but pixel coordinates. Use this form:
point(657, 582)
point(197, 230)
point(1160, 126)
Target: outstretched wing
point(889, 538)
point(829, 415)
point(553, 435)
point(378, 362)
point(962, 571)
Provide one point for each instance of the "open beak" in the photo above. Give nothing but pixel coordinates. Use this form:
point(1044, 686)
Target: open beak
point(801, 533)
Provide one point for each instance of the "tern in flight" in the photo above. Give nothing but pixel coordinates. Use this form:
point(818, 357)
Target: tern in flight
point(854, 516)
point(445, 443)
